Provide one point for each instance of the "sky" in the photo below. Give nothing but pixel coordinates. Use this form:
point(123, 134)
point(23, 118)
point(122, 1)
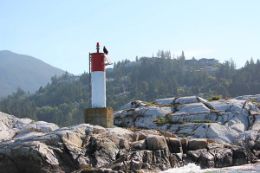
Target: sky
point(63, 32)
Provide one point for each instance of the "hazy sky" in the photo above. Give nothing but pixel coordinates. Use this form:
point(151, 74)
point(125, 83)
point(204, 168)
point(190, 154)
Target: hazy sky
point(63, 32)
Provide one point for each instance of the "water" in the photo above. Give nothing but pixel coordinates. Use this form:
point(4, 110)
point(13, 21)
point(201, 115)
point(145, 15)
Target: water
point(192, 168)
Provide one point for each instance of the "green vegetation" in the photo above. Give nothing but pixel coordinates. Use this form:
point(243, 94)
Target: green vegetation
point(202, 121)
point(162, 120)
point(215, 98)
point(63, 100)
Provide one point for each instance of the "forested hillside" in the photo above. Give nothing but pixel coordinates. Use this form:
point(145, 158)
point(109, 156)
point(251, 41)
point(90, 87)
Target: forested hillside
point(62, 101)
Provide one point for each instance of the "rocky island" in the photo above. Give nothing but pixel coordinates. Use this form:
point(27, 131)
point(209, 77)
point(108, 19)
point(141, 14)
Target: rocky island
point(151, 136)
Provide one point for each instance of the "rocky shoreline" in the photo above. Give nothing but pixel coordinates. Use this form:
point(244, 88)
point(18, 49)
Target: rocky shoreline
point(157, 136)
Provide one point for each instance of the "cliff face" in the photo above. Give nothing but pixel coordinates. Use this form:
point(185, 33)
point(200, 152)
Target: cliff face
point(29, 146)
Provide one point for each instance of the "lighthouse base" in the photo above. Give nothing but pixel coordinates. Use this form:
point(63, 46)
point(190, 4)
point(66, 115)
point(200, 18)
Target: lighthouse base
point(99, 116)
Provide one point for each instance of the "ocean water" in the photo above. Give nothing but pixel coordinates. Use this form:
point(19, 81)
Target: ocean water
point(192, 168)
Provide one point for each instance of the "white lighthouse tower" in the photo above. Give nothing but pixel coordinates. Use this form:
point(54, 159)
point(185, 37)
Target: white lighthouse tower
point(99, 113)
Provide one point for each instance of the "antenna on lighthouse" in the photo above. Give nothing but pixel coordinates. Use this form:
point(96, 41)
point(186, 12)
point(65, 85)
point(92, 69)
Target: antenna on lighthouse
point(97, 47)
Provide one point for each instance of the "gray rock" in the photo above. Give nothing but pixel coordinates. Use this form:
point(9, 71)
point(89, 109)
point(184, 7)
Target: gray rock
point(196, 144)
point(206, 160)
point(222, 120)
point(187, 100)
point(41, 147)
point(194, 108)
point(142, 134)
point(147, 116)
point(249, 97)
point(240, 155)
point(221, 133)
point(165, 101)
point(184, 145)
point(195, 155)
point(257, 144)
point(229, 130)
point(174, 145)
point(256, 123)
point(139, 145)
point(175, 160)
point(221, 105)
point(223, 157)
point(156, 143)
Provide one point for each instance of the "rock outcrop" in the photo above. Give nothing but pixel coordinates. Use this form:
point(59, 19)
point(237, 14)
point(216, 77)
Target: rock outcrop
point(43, 147)
point(168, 133)
point(224, 121)
point(227, 122)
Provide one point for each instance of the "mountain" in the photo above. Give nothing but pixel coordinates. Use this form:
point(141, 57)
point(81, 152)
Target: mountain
point(25, 72)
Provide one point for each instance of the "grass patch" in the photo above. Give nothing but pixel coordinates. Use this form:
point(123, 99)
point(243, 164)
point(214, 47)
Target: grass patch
point(162, 121)
point(202, 121)
point(150, 104)
point(86, 168)
point(213, 98)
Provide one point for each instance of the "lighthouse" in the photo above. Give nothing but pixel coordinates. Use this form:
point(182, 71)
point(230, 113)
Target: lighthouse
point(98, 79)
point(99, 113)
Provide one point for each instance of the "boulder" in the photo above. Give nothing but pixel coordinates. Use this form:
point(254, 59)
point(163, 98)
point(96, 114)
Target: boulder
point(184, 117)
point(185, 129)
point(146, 159)
point(220, 105)
point(257, 144)
point(249, 97)
point(143, 133)
point(41, 126)
point(201, 131)
point(240, 155)
point(221, 133)
point(206, 160)
point(186, 100)
point(194, 108)
point(147, 116)
point(29, 157)
point(174, 145)
point(138, 145)
point(195, 155)
point(101, 151)
point(156, 143)
point(175, 160)
point(256, 123)
point(165, 101)
point(196, 144)
point(184, 145)
point(223, 157)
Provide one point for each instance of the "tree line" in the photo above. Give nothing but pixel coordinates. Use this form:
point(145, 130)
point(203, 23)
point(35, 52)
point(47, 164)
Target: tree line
point(63, 100)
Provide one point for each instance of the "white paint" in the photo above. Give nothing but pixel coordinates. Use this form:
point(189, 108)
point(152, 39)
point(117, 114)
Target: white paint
point(98, 89)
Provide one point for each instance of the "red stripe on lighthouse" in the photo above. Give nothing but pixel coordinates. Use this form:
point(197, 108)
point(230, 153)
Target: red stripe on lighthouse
point(97, 62)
